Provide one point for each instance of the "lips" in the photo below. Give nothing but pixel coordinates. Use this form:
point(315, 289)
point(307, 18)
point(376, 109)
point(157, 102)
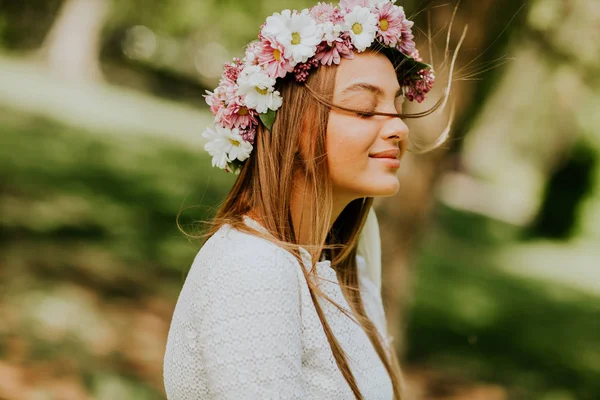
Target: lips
point(393, 154)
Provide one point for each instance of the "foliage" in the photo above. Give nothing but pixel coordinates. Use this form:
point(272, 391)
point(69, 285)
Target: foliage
point(476, 322)
point(93, 263)
point(92, 258)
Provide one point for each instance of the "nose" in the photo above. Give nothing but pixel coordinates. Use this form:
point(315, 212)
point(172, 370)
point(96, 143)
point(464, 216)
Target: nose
point(394, 128)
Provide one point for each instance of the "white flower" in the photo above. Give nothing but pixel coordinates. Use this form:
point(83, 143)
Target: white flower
point(258, 89)
point(362, 25)
point(330, 31)
point(297, 32)
point(225, 145)
point(350, 4)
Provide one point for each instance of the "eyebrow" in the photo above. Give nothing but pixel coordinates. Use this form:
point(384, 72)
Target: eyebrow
point(357, 87)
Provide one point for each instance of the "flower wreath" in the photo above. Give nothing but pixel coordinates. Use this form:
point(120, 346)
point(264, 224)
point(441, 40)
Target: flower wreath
point(296, 42)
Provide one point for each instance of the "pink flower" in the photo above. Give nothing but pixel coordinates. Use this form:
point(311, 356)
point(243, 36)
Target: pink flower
point(418, 85)
point(215, 100)
point(220, 99)
point(252, 50)
point(406, 43)
point(232, 70)
point(340, 47)
point(270, 56)
point(237, 115)
point(416, 56)
point(324, 12)
point(249, 134)
point(260, 35)
point(391, 18)
point(302, 70)
point(350, 4)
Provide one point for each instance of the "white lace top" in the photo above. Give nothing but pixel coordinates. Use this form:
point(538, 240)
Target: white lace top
point(245, 327)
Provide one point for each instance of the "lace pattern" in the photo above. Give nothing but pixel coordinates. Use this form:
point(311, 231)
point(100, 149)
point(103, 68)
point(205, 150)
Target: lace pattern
point(245, 327)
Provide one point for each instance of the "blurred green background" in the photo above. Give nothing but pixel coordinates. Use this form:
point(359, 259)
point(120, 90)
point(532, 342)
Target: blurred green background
point(491, 250)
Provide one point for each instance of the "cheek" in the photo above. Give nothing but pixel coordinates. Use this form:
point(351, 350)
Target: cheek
point(349, 141)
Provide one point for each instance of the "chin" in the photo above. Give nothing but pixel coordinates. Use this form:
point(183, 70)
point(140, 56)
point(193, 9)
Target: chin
point(385, 193)
point(383, 189)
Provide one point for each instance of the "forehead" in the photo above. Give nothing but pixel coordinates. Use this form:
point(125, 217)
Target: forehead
point(368, 67)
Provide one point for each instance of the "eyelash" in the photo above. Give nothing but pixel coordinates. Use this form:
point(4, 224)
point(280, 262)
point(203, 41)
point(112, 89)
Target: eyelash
point(368, 114)
point(364, 114)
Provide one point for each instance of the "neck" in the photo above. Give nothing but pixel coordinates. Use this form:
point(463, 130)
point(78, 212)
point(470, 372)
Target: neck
point(300, 208)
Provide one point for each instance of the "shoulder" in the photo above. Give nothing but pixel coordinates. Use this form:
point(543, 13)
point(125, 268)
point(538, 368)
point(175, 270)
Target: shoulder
point(239, 307)
point(235, 274)
point(232, 256)
point(233, 247)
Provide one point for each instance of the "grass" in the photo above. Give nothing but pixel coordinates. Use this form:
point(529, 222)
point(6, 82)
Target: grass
point(89, 242)
point(477, 321)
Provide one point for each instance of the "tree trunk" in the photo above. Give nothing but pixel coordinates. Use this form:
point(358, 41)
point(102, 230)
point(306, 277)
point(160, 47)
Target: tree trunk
point(403, 216)
point(72, 47)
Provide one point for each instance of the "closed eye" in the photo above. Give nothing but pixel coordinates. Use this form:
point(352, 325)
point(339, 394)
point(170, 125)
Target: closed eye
point(364, 114)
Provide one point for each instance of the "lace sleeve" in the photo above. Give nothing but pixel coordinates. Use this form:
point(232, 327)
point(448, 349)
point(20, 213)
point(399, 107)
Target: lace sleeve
point(241, 332)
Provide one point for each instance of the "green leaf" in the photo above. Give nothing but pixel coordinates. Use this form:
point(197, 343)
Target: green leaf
point(268, 119)
point(414, 65)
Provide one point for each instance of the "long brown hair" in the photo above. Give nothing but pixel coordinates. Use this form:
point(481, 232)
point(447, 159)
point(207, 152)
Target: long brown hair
point(265, 184)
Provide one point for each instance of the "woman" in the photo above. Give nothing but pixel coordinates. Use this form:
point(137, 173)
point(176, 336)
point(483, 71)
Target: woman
point(278, 303)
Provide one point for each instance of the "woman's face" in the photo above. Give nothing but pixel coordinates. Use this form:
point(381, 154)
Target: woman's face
point(368, 82)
